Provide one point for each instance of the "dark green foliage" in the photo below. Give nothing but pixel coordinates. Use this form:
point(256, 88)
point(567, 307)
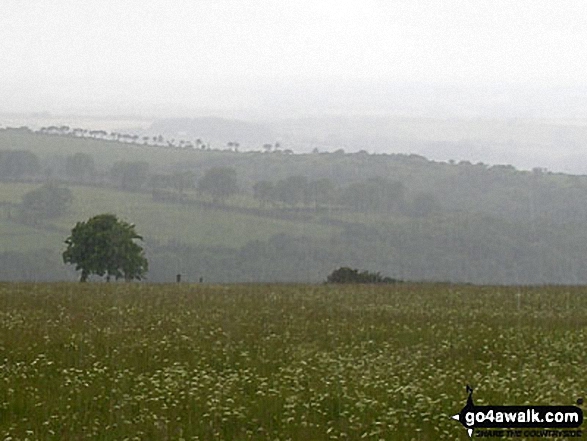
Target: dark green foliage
point(104, 246)
point(172, 186)
point(373, 195)
point(295, 191)
point(46, 202)
point(219, 182)
point(461, 222)
point(349, 275)
point(264, 192)
point(183, 181)
point(18, 164)
point(322, 192)
point(80, 167)
point(130, 175)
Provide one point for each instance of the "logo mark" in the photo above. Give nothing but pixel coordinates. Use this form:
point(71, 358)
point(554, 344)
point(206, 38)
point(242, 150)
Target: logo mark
point(517, 417)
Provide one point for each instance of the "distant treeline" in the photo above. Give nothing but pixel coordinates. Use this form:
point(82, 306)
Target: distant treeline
point(465, 249)
point(219, 184)
point(404, 215)
point(476, 249)
point(459, 249)
point(412, 185)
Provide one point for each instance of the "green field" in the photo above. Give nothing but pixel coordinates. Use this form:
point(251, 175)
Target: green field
point(154, 220)
point(104, 152)
point(279, 362)
point(15, 237)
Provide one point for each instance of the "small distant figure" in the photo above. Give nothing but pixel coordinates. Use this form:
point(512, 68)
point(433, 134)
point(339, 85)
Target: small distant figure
point(201, 280)
point(178, 278)
point(470, 396)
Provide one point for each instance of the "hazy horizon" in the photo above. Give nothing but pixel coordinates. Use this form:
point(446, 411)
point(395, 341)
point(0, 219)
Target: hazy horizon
point(265, 61)
point(155, 59)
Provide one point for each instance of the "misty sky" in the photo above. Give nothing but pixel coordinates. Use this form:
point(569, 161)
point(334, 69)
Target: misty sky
point(158, 57)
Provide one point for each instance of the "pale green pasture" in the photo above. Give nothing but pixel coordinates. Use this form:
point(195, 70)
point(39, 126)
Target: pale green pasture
point(104, 152)
point(154, 220)
point(13, 191)
point(16, 237)
point(186, 223)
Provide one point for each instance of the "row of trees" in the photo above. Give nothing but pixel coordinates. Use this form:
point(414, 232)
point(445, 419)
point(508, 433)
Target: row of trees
point(370, 195)
point(157, 140)
point(220, 183)
point(295, 191)
point(154, 140)
point(464, 187)
point(18, 165)
point(52, 199)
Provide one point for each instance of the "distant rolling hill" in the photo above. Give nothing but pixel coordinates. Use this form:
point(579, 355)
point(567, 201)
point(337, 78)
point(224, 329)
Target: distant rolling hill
point(458, 222)
point(215, 130)
point(555, 144)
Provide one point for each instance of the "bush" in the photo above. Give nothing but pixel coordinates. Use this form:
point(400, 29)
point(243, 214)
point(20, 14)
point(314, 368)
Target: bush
point(349, 275)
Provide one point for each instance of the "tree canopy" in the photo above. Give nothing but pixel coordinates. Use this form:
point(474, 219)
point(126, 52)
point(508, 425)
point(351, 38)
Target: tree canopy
point(18, 164)
point(104, 245)
point(130, 175)
point(46, 202)
point(219, 182)
point(80, 167)
point(350, 275)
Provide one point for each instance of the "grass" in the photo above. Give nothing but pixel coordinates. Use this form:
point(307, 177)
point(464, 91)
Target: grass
point(15, 237)
point(275, 362)
point(105, 152)
point(187, 223)
point(154, 220)
point(19, 237)
point(14, 191)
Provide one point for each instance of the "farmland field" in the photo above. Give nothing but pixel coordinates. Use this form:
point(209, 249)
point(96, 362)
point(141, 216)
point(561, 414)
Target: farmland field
point(279, 362)
point(155, 220)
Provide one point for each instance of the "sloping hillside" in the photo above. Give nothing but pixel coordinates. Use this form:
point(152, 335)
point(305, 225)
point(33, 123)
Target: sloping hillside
point(295, 217)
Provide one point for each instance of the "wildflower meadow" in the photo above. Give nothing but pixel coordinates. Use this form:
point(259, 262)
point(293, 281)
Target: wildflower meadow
point(135, 361)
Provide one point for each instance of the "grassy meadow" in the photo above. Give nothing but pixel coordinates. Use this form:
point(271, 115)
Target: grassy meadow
point(162, 221)
point(104, 152)
point(279, 362)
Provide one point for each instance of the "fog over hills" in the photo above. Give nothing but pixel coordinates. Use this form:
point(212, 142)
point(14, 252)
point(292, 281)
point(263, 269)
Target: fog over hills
point(552, 143)
point(492, 81)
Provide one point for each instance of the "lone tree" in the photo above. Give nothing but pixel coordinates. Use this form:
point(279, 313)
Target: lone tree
point(105, 245)
point(46, 202)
